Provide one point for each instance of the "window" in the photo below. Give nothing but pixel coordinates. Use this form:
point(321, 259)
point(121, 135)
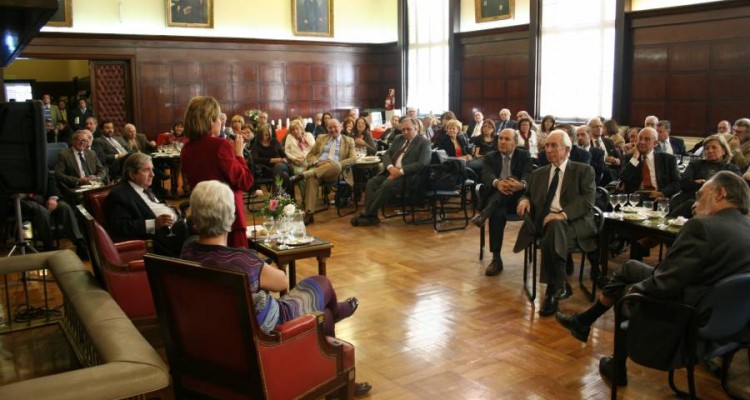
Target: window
point(577, 58)
point(428, 55)
point(18, 91)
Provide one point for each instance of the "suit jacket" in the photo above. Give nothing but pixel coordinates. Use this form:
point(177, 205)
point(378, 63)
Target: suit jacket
point(520, 168)
point(510, 124)
point(703, 169)
point(107, 150)
point(597, 162)
point(82, 116)
point(667, 174)
point(58, 115)
point(706, 250)
point(472, 126)
point(577, 154)
point(143, 144)
point(416, 157)
point(576, 199)
point(678, 146)
point(127, 213)
point(444, 143)
point(66, 169)
point(347, 156)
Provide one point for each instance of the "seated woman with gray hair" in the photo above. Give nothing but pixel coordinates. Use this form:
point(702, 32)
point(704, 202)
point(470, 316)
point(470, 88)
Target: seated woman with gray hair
point(212, 207)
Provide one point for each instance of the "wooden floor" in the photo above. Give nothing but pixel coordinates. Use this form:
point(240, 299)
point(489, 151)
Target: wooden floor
point(431, 325)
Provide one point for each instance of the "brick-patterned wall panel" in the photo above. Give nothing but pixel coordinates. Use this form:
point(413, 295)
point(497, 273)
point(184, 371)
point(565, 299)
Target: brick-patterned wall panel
point(110, 93)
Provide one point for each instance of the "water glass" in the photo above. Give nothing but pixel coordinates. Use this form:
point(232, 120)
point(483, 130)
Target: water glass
point(634, 198)
point(648, 205)
point(268, 223)
point(622, 199)
point(662, 206)
point(613, 200)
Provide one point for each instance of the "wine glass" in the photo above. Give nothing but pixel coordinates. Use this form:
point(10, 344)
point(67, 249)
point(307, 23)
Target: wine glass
point(282, 226)
point(268, 223)
point(662, 206)
point(648, 207)
point(613, 200)
point(634, 198)
point(622, 199)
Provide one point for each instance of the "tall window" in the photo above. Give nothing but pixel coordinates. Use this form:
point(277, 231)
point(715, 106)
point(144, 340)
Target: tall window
point(428, 55)
point(577, 58)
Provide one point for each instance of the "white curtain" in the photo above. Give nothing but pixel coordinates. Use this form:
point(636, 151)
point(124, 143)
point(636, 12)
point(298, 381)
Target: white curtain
point(428, 55)
point(577, 58)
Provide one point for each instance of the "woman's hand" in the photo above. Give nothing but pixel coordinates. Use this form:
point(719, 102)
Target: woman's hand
point(239, 145)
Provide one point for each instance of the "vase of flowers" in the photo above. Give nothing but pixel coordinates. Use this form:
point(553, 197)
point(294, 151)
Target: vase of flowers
point(279, 204)
point(253, 116)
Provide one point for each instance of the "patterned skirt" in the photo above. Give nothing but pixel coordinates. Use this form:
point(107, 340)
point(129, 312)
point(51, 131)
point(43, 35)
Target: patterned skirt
point(307, 297)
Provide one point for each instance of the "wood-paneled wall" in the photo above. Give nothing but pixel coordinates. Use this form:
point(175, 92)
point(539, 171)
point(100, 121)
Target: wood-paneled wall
point(494, 71)
point(690, 65)
point(285, 78)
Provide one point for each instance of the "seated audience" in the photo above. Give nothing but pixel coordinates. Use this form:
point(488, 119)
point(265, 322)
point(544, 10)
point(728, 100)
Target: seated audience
point(669, 144)
point(77, 117)
point(329, 155)
point(212, 214)
point(175, 135)
point(649, 172)
point(528, 137)
point(612, 131)
point(297, 147)
point(576, 153)
point(524, 114)
point(390, 134)
point(363, 141)
point(486, 141)
point(269, 158)
point(559, 219)
point(505, 121)
point(92, 125)
point(454, 143)
point(323, 127)
point(235, 126)
point(347, 126)
point(650, 121)
point(317, 121)
point(717, 154)
point(597, 155)
point(138, 141)
point(111, 149)
point(60, 134)
point(134, 212)
point(504, 174)
point(707, 249)
point(547, 126)
point(740, 144)
point(403, 160)
point(631, 141)
point(429, 123)
point(77, 165)
point(475, 126)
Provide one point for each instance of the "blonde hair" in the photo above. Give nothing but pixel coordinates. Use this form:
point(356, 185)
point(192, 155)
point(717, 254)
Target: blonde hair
point(296, 123)
point(201, 112)
point(723, 143)
point(453, 122)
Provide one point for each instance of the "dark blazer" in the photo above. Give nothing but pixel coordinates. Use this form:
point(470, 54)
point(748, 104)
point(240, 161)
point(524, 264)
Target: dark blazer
point(103, 147)
point(416, 157)
point(597, 162)
point(510, 124)
point(444, 143)
point(471, 127)
point(66, 169)
point(678, 145)
point(706, 250)
point(667, 174)
point(703, 169)
point(127, 213)
point(520, 166)
point(577, 154)
point(143, 144)
point(82, 116)
point(576, 199)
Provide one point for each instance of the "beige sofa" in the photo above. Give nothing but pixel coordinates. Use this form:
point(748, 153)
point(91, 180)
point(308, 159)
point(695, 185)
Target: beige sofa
point(118, 361)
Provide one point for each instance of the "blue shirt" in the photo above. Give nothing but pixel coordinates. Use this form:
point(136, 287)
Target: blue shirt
point(327, 148)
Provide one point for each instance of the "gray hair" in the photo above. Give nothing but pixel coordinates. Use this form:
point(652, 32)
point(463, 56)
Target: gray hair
point(212, 208)
point(516, 135)
point(738, 193)
point(565, 138)
point(650, 131)
point(742, 122)
point(133, 163)
point(665, 124)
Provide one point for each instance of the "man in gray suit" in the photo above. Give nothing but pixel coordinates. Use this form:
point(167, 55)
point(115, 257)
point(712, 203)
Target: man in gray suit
point(78, 165)
point(708, 248)
point(408, 154)
point(112, 150)
point(559, 199)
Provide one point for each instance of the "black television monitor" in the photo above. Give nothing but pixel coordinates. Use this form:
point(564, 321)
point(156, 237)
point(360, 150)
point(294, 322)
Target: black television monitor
point(23, 148)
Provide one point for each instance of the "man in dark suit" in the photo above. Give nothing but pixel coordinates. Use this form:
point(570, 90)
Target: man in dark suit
point(708, 248)
point(612, 155)
point(649, 171)
point(133, 212)
point(559, 199)
point(505, 121)
point(78, 165)
point(597, 155)
point(667, 143)
point(505, 173)
point(408, 154)
point(112, 150)
point(475, 126)
point(77, 117)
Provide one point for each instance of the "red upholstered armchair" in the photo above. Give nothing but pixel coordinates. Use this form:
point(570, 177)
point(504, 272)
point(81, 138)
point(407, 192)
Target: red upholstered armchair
point(120, 267)
point(217, 350)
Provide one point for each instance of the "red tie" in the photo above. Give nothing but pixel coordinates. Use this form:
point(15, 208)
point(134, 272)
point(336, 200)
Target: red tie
point(646, 179)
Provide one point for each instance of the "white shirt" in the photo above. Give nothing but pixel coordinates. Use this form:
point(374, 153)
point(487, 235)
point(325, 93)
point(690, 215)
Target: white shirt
point(668, 144)
point(555, 206)
point(477, 129)
point(651, 168)
point(156, 208)
point(292, 149)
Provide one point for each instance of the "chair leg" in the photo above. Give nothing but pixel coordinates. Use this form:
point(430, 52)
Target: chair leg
point(529, 259)
point(591, 294)
point(481, 243)
point(726, 362)
point(678, 391)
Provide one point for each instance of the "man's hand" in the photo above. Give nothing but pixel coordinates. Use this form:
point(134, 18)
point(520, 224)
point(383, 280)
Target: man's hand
point(164, 220)
point(86, 180)
point(523, 207)
point(553, 217)
point(51, 204)
point(509, 186)
point(394, 173)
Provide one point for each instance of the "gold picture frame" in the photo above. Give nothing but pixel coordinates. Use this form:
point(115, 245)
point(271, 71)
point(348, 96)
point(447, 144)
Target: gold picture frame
point(190, 13)
point(312, 18)
point(494, 10)
point(64, 14)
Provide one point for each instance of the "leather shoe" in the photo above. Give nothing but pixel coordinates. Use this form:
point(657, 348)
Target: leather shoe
point(577, 329)
point(495, 267)
point(355, 220)
point(362, 388)
point(549, 307)
point(309, 217)
point(479, 220)
point(367, 221)
point(607, 369)
point(565, 292)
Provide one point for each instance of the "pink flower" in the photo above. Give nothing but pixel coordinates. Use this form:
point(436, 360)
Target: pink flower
point(272, 204)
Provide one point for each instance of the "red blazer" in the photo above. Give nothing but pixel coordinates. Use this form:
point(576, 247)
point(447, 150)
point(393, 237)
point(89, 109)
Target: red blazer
point(213, 158)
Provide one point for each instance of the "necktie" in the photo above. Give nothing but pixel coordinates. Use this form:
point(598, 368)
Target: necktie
point(150, 195)
point(596, 144)
point(117, 145)
point(663, 146)
point(84, 167)
point(332, 149)
point(646, 175)
point(552, 189)
point(397, 157)
point(505, 173)
point(503, 125)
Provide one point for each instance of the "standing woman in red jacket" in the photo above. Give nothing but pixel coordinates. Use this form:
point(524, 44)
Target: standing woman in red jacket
point(208, 157)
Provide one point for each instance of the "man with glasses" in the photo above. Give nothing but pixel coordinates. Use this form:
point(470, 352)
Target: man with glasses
point(77, 165)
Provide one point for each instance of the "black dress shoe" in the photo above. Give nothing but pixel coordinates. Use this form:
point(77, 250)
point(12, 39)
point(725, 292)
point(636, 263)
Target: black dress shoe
point(355, 220)
point(566, 292)
point(479, 220)
point(495, 267)
point(309, 218)
point(577, 329)
point(607, 369)
point(367, 221)
point(549, 307)
point(362, 388)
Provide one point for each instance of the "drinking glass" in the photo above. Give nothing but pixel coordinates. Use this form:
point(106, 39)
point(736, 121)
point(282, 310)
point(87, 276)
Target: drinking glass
point(648, 207)
point(634, 198)
point(613, 200)
point(622, 199)
point(662, 206)
point(282, 226)
point(268, 223)
point(299, 233)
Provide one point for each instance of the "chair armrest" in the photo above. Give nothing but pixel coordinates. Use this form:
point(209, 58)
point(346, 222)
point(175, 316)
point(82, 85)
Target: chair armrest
point(131, 250)
point(297, 326)
point(136, 265)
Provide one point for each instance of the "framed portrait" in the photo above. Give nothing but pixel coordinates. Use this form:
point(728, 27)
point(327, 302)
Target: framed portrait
point(64, 14)
point(312, 17)
point(493, 10)
point(190, 13)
